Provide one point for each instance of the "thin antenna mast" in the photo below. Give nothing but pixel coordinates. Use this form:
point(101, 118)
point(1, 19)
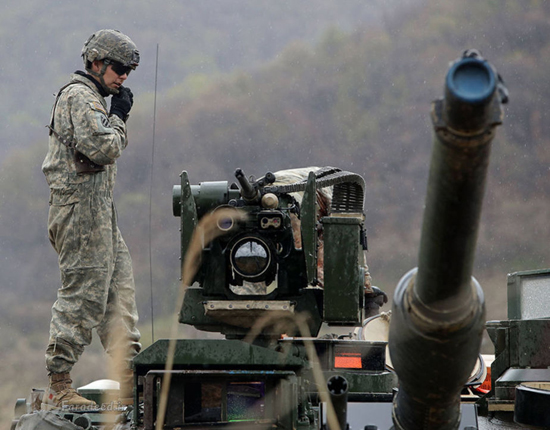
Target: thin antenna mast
point(151, 197)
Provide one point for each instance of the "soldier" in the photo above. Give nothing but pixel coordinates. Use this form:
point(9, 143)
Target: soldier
point(97, 284)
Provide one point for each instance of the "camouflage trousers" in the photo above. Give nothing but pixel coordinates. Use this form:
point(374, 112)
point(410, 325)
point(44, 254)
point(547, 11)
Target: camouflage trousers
point(97, 283)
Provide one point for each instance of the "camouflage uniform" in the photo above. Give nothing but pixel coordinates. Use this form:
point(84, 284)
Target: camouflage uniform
point(96, 270)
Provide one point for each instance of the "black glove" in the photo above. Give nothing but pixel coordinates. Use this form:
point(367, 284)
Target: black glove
point(122, 103)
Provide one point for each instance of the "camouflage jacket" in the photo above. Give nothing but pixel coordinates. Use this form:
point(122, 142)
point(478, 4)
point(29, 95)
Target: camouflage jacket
point(81, 116)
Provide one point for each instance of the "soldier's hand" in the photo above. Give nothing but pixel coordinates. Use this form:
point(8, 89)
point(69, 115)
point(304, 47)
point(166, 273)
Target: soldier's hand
point(122, 103)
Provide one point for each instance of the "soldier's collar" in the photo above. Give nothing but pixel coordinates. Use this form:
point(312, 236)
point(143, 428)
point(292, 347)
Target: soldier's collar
point(97, 84)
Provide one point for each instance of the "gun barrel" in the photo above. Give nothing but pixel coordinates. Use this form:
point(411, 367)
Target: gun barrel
point(247, 190)
point(438, 314)
point(337, 387)
point(464, 128)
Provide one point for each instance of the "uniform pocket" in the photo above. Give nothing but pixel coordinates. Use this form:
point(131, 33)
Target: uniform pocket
point(76, 179)
point(63, 233)
point(96, 234)
point(64, 197)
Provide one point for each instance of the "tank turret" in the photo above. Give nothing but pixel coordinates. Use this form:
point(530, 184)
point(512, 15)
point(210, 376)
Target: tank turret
point(438, 312)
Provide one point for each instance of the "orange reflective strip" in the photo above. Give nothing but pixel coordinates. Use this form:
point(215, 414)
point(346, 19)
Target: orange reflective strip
point(348, 361)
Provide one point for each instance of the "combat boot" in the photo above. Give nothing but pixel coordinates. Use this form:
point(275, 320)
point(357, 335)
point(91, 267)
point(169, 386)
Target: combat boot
point(60, 393)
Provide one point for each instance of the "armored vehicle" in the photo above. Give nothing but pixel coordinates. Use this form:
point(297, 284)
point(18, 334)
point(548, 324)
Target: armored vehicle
point(269, 263)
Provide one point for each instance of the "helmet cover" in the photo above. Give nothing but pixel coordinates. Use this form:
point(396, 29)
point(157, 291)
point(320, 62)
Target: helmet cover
point(109, 45)
point(112, 45)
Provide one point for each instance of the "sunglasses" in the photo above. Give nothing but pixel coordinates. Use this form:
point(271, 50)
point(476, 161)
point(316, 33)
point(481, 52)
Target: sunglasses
point(119, 68)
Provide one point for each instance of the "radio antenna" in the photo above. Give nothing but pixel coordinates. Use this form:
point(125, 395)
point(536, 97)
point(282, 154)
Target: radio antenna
point(151, 197)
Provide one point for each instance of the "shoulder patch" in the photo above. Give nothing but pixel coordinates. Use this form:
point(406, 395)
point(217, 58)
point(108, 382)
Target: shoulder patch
point(97, 106)
point(103, 123)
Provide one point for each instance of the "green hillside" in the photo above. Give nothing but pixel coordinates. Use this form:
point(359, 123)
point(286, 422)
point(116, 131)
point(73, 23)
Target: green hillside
point(357, 98)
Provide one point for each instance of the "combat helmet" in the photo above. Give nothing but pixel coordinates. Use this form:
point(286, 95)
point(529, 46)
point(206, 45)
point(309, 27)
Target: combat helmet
point(109, 46)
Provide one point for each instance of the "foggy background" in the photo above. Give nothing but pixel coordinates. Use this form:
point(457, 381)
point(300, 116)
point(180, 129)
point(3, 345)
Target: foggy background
point(265, 85)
